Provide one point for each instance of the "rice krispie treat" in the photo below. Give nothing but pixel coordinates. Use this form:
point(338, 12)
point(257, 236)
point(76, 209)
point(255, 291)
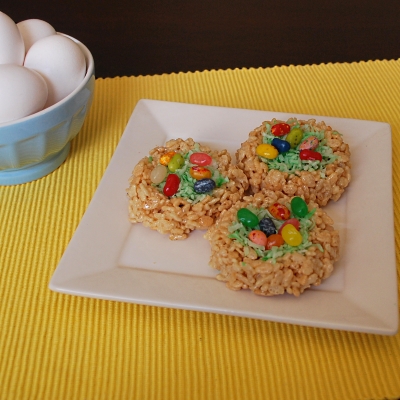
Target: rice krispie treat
point(297, 158)
point(183, 186)
point(271, 244)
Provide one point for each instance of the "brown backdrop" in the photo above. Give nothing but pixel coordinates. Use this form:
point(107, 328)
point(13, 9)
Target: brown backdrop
point(163, 36)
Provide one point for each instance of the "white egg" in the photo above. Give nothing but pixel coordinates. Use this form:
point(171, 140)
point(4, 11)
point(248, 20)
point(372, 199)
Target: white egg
point(12, 48)
point(33, 30)
point(22, 92)
point(61, 63)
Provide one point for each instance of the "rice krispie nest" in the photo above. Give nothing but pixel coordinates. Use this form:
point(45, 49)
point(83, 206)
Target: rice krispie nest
point(176, 215)
point(314, 180)
point(278, 270)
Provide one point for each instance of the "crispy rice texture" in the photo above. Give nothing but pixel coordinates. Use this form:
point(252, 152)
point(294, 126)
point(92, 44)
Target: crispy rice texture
point(293, 273)
point(176, 216)
point(307, 184)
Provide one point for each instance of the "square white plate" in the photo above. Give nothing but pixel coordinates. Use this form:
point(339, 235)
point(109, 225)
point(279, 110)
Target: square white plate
point(110, 258)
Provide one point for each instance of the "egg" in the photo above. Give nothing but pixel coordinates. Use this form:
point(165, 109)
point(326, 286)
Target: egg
point(12, 48)
point(61, 63)
point(22, 92)
point(33, 30)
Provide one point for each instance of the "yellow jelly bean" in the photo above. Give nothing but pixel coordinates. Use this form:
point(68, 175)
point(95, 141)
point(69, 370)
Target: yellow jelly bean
point(266, 150)
point(291, 235)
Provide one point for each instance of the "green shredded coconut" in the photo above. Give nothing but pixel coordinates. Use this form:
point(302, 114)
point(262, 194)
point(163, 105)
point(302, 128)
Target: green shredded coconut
point(290, 161)
point(240, 233)
point(186, 189)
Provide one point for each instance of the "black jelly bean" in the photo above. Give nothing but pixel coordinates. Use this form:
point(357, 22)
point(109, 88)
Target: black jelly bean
point(267, 226)
point(204, 185)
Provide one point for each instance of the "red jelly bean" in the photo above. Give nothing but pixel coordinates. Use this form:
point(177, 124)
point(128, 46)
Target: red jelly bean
point(279, 211)
point(292, 221)
point(310, 155)
point(202, 159)
point(275, 240)
point(171, 185)
point(280, 129)
point(258, 237)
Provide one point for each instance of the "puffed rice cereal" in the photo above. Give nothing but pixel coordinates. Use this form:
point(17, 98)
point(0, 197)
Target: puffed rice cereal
point(273, 269)
point(317, 166)
point(173, 206)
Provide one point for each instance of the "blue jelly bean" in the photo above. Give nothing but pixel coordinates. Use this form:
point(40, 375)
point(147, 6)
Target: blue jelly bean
point(281, 145)
point(204, 185)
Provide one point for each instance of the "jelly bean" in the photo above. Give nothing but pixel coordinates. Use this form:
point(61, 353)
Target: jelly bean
point(309, 143)
point(199, 173)
point(171, 185)
point(279, 211)
point(299, 207)
point(247, 218)
point(267, 151)
point(293, 221)
point(158, 174)
point(176, 162)
point(275, 240)
point(310, 155)
point(166, 158)
point(204, 185)
point(258, 237)
point(281, 145)
point(202, 159)
point(267, 226)
point(291, 235)
point(294, 137)
point(280, 129)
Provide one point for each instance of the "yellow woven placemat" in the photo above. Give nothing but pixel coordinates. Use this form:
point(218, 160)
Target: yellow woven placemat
point(55, 346)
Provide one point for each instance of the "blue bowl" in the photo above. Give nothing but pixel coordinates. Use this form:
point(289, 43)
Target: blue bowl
point(34, 146)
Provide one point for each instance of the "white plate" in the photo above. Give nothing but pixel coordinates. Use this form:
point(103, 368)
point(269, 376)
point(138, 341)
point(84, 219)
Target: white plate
point(109, 258)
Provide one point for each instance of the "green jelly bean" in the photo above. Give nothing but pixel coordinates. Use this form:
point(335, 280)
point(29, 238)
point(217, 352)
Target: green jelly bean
point(294, 137)
point(176, 162)
point(247, 218)
point(299, 207)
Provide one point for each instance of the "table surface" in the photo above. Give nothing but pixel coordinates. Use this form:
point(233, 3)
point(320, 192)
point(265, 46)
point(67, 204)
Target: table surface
point(164, 36)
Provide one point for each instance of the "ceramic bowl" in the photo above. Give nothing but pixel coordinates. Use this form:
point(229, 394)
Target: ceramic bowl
point(34, 146)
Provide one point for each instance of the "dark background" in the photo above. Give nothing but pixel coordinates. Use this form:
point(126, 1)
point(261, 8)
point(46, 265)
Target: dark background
point(164, 36)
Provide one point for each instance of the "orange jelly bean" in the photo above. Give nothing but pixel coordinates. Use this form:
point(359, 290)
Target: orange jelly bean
point(258, 237)
point(279, 211)
point(275, 240)
point(166, 158)
point(199, 172)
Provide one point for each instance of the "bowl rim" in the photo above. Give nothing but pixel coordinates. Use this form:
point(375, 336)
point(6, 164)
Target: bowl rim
point(89, 72)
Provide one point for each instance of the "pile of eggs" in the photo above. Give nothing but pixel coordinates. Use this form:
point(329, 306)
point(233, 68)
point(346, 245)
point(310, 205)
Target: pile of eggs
point(268, 235)
point(38, 67)
point(286, 139)
point(170, 162)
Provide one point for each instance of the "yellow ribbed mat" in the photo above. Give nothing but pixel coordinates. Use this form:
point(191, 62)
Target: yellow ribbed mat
point(55, 346)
